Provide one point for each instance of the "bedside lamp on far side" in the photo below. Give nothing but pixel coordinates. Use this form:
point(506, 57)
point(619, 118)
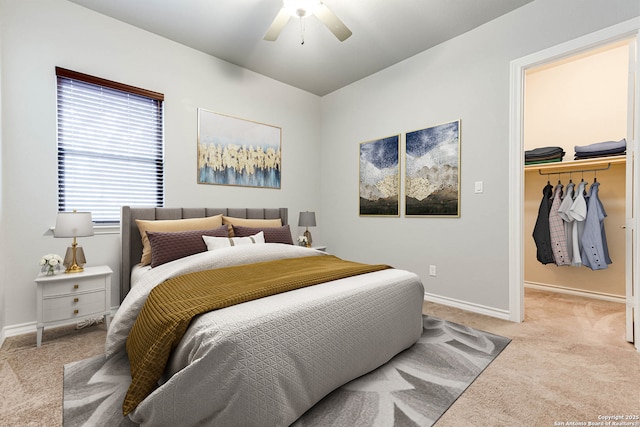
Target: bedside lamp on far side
point(74, 224)
point(307, 219)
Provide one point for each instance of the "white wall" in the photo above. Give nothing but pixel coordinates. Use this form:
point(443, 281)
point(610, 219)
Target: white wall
point(465, 78)
point(2, 280)
point(38, 35)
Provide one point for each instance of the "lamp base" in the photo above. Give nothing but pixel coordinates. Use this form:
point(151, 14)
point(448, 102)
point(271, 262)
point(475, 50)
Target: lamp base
point(74, 269)
point(307, 234)
point(74, 259)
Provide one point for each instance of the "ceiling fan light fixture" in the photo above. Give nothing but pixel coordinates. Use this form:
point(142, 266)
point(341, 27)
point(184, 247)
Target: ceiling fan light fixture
point(301, 8)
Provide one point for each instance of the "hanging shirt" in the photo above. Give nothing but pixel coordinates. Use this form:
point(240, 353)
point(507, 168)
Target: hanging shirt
point(578, 212)
point(556, 229)
point(595, 253)
point(541, 234)
point(567, 219)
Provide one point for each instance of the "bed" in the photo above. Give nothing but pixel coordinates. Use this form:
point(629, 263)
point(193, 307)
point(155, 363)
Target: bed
point(265, 361)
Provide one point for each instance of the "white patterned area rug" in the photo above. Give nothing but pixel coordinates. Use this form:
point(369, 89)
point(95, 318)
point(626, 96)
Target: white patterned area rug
point(414, 388)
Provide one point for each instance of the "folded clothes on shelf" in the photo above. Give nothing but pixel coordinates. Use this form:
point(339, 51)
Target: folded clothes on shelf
point(601, 149)
point(597, 154)
point(539, 162)
point(543, 155)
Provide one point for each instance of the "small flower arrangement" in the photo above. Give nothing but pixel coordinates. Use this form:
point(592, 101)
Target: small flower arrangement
point(302, 240)
point(50, 263)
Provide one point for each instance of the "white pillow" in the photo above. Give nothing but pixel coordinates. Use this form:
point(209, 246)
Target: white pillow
point(225, 242)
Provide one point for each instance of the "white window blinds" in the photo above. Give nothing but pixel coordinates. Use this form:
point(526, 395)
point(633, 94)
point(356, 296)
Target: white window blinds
point(110, 146)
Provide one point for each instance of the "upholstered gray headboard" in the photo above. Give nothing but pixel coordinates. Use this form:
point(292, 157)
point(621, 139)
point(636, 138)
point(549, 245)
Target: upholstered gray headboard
point(132, 243)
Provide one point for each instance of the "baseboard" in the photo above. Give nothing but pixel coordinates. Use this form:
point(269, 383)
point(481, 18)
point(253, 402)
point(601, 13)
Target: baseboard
point(576, 292)
point(468, 306)
point(19, 329)
point(28, 328)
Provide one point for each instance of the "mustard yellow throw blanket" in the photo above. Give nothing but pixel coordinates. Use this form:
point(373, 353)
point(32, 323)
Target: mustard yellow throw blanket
point(171, 305)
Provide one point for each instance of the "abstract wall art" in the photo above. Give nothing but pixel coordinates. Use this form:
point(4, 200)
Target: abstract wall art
point(234, 151)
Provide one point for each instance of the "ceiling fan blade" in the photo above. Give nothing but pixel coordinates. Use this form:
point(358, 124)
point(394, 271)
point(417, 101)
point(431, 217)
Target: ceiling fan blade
point(277, 25)
point(333, 23)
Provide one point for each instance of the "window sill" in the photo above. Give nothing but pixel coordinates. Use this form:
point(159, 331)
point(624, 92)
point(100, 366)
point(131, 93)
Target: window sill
point(107, 229)
point(97, 229)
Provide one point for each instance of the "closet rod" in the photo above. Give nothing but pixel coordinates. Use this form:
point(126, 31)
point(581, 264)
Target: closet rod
point(575, 171)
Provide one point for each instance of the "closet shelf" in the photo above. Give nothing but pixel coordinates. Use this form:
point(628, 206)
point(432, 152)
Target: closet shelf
point(576, 165)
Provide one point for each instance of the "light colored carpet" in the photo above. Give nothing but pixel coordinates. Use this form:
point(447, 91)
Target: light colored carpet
point(414, 388)
point(31, 377)
point(567, 361)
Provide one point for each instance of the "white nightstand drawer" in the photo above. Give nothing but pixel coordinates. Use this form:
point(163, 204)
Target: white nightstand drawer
point(68, 307)
point(73, 286)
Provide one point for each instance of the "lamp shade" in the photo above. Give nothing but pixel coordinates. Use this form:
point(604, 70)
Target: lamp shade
point(73, 224)
point(307, 219)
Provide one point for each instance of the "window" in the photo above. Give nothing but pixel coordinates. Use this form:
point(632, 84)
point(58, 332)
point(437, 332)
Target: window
point(110, 146)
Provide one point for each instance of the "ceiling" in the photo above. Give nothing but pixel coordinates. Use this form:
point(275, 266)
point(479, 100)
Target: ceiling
point(384, 33)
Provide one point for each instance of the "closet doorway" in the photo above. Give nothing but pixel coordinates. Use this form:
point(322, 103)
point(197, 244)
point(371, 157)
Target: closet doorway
point(579, 93)
point(578, 100)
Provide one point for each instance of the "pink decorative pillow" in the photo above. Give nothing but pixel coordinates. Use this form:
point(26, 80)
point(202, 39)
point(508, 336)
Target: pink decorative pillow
point(169, 246)
point(271, 234)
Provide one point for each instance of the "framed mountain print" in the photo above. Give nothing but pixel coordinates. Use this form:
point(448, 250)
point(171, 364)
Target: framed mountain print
point(432, 176)
point(380, 177)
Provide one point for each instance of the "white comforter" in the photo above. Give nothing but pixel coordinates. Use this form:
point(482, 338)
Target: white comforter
point(265, 362)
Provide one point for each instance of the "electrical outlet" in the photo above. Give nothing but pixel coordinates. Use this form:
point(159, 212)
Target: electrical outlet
point(432, 270)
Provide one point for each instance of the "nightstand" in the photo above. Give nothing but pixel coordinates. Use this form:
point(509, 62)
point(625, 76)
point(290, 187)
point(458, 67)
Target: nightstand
point(67, 298)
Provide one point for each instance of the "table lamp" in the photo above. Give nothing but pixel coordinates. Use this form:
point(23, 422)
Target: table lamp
point(307, 219)
point(74, 224)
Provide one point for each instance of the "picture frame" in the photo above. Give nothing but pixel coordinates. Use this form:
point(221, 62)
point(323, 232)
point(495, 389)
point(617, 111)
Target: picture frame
point(379, 177)
point(235, 151)
point(432, 171)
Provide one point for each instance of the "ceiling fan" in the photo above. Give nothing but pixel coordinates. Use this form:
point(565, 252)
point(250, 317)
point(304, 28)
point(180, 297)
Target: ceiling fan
point(302, 9)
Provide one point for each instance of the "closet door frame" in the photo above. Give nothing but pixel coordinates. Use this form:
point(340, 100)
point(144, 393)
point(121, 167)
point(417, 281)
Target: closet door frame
point(633, 280)
point(626, 30)
point(633, 198)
